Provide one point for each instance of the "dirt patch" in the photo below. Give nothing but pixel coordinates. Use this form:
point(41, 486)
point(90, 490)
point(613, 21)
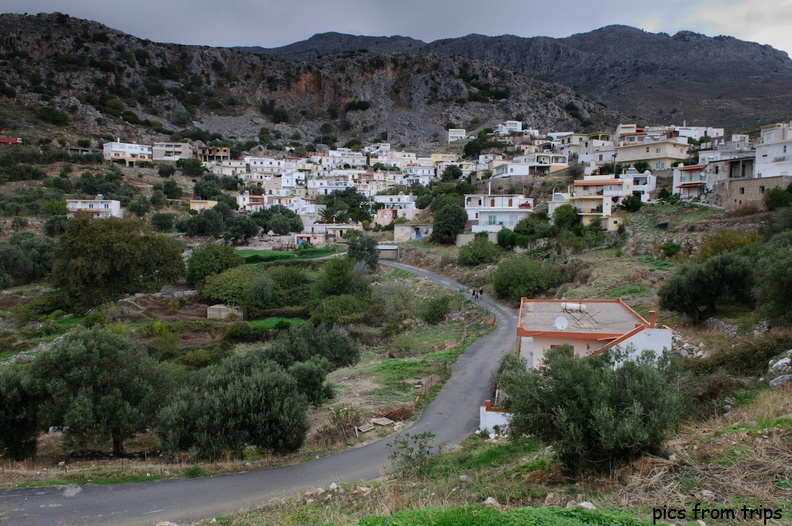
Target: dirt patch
point(159, 308)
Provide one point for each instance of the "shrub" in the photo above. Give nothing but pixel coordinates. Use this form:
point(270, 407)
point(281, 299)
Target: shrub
point(520, 277)
point(670, 249)
point(238, 332)
point(411, 453)
point(364, 249)
point(300, 344)
point(435, 310)
point(774, 284)
point(231, 286)
point(162, 222)
point(479, 250)
point(166, 170)
point(748, 357)
point(338, 309)
point(631, 203)
point(721, 241)
point(18, 416)
point(208, 260)
point(775, 198)
point(52, 115)
point(597, 411)
point(697, 288)
point(246, 401)
point(339, 277)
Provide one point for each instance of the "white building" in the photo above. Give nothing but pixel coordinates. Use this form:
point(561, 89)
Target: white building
point(589, 326)
point(97, 207)
point(456, 134)
point(774, 152)
point(127, 153)
point(395, 207)
point(491, 213)
point(508, 128)
point(264, 165)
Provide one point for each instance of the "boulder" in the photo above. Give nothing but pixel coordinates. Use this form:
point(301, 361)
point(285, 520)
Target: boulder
point(781, 381)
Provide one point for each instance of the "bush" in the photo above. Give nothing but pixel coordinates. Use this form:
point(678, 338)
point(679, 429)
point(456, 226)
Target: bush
point(631, 203)
point(300, 344)
point(162, 222)
point(435, 310)
point(596, 411)
point(18, 416)
point(520, 277)
point(53, 116)
point(774, 284)
point(670, 249)
point(479, 250)
point(339, 277)
point(166, 170)
point(211, 259)
point(748, 357)
point(246, 401)
point(338, 309)
point(776, 198)
point(53, 226)
point(364, 249)
point(231, 286)
point(697, 288)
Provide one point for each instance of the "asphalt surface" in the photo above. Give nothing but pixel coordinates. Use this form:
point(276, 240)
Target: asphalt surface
point(451, 416)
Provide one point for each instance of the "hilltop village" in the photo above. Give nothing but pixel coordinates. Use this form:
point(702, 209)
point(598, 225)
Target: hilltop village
point(699, 164)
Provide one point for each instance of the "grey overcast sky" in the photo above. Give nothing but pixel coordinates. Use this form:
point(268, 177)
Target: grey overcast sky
point(271, 23)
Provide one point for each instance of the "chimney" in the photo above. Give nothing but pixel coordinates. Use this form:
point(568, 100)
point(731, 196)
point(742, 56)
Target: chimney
point(487, 405)
point(652, 315)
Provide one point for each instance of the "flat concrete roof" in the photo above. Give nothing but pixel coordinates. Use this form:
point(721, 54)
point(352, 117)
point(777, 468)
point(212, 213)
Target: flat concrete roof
point(591, 318)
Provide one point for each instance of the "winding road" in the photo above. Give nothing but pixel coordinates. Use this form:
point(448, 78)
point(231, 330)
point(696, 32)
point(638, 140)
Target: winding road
point(451, 416)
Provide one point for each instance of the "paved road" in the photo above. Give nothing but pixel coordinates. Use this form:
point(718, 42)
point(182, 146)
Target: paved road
point(451, 416)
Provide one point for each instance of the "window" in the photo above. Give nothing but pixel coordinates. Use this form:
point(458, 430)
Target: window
point(761, 189)
point(742, 190)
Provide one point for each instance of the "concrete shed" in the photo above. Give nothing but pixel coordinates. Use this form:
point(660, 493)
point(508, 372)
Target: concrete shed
point(223, 312)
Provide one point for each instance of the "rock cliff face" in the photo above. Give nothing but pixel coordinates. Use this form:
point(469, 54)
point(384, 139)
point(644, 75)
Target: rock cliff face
point(649, 77)
point(94, 72)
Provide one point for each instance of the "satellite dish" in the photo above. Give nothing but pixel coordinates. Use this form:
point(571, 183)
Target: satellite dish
point(561, 323)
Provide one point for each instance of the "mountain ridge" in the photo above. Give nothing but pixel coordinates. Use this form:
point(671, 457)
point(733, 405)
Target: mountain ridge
point(708, 80)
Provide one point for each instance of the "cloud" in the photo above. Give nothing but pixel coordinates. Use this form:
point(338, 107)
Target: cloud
point(762, 21)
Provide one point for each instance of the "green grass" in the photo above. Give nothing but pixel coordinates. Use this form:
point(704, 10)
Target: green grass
point(480, 516)
point(627, 290)
point(65, 323)
point(270, 323)
point(7, 355)
point(264, 256)
point(656, 264)
point(99, 477)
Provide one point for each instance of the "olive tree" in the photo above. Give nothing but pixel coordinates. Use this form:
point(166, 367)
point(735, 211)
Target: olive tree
point(98, 386)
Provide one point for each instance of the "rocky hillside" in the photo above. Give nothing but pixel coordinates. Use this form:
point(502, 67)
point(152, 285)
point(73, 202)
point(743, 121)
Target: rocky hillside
point(108, 83)
point(652, 78)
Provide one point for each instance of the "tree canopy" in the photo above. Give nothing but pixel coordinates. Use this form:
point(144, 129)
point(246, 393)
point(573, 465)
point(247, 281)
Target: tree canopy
point(597, 410)
point(99, 260)
point(97, 385)
point(449, 221)
point(211, 259)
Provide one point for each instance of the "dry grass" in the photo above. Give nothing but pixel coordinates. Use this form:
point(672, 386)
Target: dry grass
point(742, 458)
